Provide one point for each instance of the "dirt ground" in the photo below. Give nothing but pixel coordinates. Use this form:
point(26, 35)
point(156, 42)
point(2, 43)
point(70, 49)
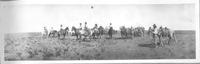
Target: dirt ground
point(31, 46)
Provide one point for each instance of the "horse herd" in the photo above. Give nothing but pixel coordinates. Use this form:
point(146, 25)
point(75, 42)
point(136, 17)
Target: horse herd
point(157, 34)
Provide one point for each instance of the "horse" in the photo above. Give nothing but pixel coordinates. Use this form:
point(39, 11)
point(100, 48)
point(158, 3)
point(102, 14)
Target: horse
point(129, 32)
point(123, 32)
point(110, 32)
point(53, 33)
point(150, 31)
point(95, 33)
point(79, 33)
point(156, 34)
point(138, 31)
point(75, 32)
point(167, 33)
point(63, 32)
point(101, 31)
point(67, 30)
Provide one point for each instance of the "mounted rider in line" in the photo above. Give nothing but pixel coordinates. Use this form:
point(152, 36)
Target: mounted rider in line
point(86, 31)
point(110, 31)
point(95, 32)
point(45, 33)
point(80, 27)
point(61, 32)
point(53, 32)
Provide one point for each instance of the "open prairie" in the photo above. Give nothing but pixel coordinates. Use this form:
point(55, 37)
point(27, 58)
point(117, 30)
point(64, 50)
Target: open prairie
point(31, 46)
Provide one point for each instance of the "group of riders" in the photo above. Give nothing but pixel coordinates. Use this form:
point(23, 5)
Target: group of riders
point(157, 33)
point(160, 33)
point(80, 32)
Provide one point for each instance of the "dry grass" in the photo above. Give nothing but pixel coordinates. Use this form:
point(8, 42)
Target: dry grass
point(31, 46)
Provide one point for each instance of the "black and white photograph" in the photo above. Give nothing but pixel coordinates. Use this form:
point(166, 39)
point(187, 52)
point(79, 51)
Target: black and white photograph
point(38, 32)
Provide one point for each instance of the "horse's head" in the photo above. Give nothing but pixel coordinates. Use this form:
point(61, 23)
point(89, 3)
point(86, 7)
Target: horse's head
point(67, 28)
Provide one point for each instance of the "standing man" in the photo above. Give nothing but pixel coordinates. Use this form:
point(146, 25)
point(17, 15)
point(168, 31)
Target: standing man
point(156, 37)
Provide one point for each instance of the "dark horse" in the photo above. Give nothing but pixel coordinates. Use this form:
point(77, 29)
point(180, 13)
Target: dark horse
point(110, 32)
point(53, 33)
point(101, 31)
point(63, 32)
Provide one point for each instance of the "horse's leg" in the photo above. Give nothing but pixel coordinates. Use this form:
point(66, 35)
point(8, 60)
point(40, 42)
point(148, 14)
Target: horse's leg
point(80, 36)
point(154, 40)
point(49, 34)
point(53, 35)
point(160, 40)
point(100, 36)
point(169, 39)
point(76, 36)
point(174, 37)
point(59, 35)
point(111, 36)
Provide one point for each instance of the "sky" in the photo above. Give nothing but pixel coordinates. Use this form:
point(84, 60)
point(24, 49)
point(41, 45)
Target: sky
point(33, 17)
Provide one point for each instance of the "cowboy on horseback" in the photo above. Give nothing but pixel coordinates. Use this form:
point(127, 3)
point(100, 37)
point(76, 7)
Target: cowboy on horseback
point(80, 27)
point(85, 27)
point(110, 31)
point(53, 32)
point(61, 27)
point(95, 27)
point(95, 31)
point(45, 33)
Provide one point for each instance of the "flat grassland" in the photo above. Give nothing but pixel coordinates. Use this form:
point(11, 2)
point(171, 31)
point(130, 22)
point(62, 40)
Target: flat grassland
point(31, 46)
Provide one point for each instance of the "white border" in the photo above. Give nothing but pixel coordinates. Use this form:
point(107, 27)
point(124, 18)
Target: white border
point(197, 60)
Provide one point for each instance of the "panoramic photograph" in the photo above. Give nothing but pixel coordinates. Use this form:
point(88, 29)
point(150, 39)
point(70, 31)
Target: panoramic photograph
point(100, 32)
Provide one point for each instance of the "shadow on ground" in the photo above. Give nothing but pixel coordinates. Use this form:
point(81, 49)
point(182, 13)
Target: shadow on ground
point(147, 45)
